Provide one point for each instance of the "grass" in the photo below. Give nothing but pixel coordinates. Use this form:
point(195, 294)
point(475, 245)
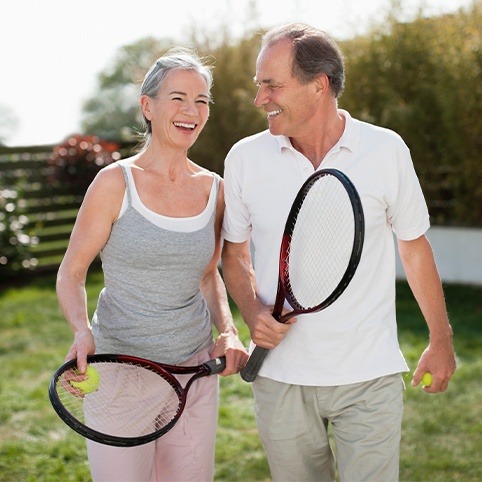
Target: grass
point(441, 434)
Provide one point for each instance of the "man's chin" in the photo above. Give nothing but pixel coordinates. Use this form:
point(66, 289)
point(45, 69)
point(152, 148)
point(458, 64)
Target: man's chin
point(276, 131)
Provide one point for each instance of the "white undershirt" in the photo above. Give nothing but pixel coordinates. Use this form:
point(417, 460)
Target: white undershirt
point(183, 224)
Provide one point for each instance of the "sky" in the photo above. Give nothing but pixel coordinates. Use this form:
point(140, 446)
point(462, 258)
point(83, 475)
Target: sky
point(51, 51)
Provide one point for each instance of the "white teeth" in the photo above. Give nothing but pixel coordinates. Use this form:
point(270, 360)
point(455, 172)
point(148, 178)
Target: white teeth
point(274, 112)
point(182, 124)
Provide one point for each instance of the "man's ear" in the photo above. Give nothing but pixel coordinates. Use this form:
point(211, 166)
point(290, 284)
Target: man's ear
point(322, 83)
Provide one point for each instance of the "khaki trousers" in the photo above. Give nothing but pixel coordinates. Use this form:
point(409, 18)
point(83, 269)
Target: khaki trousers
point(365, 419)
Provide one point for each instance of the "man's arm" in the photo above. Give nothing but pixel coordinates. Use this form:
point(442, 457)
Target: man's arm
point(422, 276)
point(240, 281)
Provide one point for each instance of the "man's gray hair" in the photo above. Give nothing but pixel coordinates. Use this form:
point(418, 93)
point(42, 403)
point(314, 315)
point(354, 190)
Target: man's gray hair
point(314, 53)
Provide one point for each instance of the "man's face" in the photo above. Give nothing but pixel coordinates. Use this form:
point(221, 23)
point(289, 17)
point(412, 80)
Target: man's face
point(289, 104)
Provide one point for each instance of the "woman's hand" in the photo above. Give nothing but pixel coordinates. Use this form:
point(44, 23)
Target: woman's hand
point(229, 345)
point(82, 346)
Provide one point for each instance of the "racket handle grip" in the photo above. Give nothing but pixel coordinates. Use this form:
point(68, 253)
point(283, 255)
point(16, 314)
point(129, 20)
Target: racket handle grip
point(216, 365)
point(251, 369)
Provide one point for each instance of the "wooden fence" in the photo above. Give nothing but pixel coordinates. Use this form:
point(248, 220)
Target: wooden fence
point(38, 209)
point(41, 189)
point(37, 215)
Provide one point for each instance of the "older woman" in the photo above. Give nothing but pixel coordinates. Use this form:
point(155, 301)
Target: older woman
point(155, 218)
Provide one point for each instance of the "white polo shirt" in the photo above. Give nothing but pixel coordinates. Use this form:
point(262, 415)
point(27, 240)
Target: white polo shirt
point(354, 339)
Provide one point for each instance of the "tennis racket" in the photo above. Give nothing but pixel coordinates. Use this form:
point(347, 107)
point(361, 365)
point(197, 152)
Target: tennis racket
point(135, 401)
point(320, 250)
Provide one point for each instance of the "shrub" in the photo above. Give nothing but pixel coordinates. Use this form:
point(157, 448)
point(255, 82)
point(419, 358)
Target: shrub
point(14, 240)
point(79, 159)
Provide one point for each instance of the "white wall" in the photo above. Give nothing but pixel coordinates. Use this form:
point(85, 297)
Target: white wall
point(458, 254)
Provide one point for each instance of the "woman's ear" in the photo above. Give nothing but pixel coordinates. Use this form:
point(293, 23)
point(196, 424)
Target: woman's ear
point(145, 102)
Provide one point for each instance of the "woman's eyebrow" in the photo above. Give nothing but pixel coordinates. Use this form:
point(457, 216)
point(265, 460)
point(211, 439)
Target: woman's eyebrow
point(176, 92)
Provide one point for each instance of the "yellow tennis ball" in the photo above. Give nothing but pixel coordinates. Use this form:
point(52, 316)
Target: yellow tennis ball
point(91, 383)
point(427, 379)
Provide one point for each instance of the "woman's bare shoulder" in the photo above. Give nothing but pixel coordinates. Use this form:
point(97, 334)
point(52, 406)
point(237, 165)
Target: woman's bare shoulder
point(108, 183)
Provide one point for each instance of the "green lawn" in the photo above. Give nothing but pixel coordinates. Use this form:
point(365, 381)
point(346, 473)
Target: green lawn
point(441, 434)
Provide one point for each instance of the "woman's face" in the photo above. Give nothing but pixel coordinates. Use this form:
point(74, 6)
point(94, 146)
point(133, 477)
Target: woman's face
point(181, 109)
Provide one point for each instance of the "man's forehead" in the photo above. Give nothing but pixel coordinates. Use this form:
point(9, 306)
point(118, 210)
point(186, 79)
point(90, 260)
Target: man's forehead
point(273, 62)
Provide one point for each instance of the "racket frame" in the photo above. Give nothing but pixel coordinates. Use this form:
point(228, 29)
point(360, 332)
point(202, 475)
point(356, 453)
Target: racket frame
point(250, 371)
point(359, 230)
point(166, 371)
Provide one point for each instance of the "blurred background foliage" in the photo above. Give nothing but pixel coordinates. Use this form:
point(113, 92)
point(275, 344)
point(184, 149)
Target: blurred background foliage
point(113, 111)
point(77, 161)
point(421, 78)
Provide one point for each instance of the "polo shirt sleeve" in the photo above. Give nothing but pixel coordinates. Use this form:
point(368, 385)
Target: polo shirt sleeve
point(408, 213)
point(236, 225)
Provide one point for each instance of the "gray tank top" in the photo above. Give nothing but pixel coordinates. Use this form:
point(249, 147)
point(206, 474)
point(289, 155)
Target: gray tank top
point(152, 305)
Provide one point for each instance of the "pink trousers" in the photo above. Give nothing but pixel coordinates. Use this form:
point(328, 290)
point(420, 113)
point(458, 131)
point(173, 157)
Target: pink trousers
point(184, 454)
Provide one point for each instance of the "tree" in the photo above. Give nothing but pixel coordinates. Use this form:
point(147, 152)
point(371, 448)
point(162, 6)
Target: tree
point(233, 115)
point(113, 111)
point(422, 79)
point(8, 123)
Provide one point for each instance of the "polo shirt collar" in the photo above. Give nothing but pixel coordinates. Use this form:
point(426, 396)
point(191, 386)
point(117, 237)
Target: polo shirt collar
point(351, 135)
point(349, 138)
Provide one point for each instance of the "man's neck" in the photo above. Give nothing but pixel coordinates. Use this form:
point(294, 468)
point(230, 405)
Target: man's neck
point(317, 142)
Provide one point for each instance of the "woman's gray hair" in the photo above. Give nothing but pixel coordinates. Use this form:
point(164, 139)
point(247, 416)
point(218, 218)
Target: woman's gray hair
point(314, 53)
point(177, 58)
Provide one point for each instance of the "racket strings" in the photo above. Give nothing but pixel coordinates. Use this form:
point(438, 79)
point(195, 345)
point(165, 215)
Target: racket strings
point(321, 243)
point(131, 401)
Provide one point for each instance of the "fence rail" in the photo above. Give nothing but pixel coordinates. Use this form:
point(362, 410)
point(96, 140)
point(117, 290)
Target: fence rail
point(36, 215)
point(39, 201)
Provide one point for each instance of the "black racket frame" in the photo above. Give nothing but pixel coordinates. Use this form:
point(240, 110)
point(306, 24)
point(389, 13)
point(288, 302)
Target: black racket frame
point(250, 371)
point(166, 371)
